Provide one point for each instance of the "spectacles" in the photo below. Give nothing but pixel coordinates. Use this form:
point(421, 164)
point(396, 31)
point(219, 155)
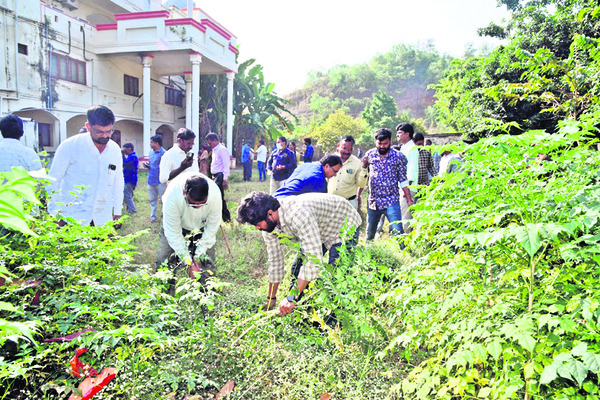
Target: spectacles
point(194, 205)
point(98, 132)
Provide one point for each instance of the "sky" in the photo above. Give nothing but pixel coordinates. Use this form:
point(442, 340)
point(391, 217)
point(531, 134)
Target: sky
point(292, 38)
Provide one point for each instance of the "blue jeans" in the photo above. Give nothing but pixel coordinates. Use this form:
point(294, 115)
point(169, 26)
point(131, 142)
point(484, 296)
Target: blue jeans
point(262, 173)
point(393, 215)
point(154, 193)
point(128, 196)
point(247, 170)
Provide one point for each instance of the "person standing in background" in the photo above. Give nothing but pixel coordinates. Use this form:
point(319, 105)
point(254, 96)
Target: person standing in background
point(261, 160)
point(178, 158)
point(130, 175)
point(220, 169)
point(281, 164)
point(352, 178)
point(12, 152)
point(247, 160)
point(404, 134)
point(155, 188)
point(203, 160)
point(309, 152)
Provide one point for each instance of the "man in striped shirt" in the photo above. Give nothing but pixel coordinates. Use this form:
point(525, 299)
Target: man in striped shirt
point(315, 220)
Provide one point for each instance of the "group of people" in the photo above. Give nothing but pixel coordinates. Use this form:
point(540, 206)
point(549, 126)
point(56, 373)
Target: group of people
point(315, 203)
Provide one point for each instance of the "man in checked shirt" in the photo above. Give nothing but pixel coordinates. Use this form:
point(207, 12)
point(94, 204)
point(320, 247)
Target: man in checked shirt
point(315, 220)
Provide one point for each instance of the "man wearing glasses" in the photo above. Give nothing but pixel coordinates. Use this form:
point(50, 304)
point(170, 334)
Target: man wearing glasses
point(191, 217)
point(93, 161)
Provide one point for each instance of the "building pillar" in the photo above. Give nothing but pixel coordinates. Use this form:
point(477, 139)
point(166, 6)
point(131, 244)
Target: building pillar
point(147, 64)
point(188, 99)
point(230, 76)
point(196, 59)
point(62, 130)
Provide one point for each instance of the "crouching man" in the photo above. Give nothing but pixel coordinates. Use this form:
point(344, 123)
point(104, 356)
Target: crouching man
point(315, 220)
point(191, 219)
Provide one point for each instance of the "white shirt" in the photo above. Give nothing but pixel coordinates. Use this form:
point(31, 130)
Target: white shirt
point(412, 155)
point(14, 154)
point(77, 162)
point(261, 153)
point(171, 160)
point(177, 215)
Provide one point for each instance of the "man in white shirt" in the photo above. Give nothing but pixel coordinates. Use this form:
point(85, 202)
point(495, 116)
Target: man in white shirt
point(191, 219)
point(178, 158)
point(261, 161)
point(12, 152)
point(404, 134)
point(93, 161)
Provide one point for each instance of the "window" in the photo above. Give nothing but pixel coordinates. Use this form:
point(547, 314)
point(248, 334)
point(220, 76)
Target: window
point(67, 69)
point(173, 97)
point(131, 85)
point(22, 48)
point(44, 135)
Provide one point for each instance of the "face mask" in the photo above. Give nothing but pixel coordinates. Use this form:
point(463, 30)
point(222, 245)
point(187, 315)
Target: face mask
point(279, 146)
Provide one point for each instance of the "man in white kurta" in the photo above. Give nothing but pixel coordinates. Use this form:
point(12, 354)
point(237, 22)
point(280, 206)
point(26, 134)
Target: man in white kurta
point(92, 161)
point(191, 219)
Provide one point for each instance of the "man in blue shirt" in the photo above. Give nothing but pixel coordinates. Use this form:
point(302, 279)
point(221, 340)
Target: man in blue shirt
point(130, 174)
point(308, 153)
point(281, 164)
point(311, 177)
point(155, 188)
point(247, 161)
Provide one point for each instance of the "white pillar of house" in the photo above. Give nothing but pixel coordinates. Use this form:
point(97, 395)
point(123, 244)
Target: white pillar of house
point(62, 130)
point(196, 59)
point(230, 76)
point(188, 99)
point(147, 63)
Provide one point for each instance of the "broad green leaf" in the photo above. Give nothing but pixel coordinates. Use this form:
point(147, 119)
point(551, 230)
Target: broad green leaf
point(579, 350)
point(527, 341)
point(548, 374)
point(479, 352)
point(484, 392)
point(528, 237)
point(8, 307)
point(592, 362)
point(577, 370)
point(495, 349)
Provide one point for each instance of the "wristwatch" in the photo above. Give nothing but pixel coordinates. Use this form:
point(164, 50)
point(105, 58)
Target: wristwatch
point(291, 298)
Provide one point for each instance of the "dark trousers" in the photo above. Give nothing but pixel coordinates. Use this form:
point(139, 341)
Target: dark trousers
point(218, 178)
point(247, 170)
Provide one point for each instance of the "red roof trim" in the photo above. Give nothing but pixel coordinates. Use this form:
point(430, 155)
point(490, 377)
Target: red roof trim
point(233, 49)
point(106, 27)
point(142, 15)
point(216, 28)
point(186, 21)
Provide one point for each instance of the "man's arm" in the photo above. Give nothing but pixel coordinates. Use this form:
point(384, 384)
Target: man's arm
point(58, 169)
point(185, 164)
point(412, 172)
point(213, 222)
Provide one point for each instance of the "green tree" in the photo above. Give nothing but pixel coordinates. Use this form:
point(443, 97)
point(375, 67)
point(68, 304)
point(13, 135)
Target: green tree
point(337, 125)
point(382, 112)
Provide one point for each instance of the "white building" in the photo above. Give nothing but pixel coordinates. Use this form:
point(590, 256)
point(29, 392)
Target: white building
point(142, 60)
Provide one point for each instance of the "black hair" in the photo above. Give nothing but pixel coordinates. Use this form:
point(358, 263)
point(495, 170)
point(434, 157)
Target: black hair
point(428, 142)
point(185, 134)
point(157, 139)
point(282, 139)
point(418, 137)
point(383, 134)
point(11, 127)
point(100, 115)
point(197, 188)
point(307, 140)
point(347, 138)
point(406, 127)
point(331, 159)
point(255, 208)
point(129, 146)
point(211, 136)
